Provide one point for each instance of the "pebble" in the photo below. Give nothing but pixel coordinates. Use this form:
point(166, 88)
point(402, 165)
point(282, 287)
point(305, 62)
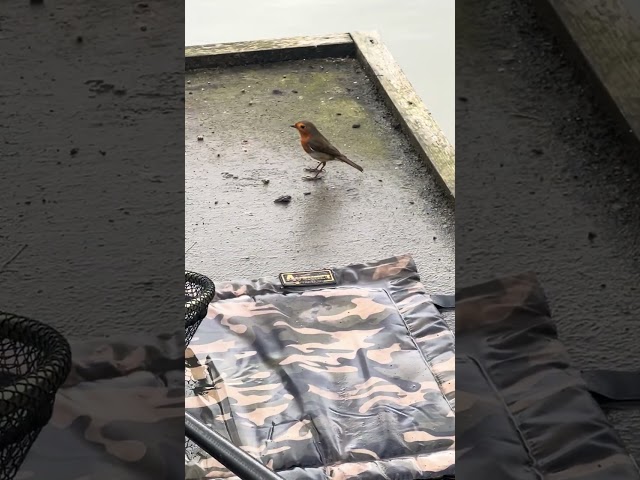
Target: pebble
point(200, 138)
point(283, 199)
point(355, 125)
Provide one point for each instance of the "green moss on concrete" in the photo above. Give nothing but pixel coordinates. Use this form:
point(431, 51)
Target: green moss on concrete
point(318, 95)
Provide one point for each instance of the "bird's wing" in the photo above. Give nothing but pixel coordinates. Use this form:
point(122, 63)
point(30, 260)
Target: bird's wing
point(323, 146)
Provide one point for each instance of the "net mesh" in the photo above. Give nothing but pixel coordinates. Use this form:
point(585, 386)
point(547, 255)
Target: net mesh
point(34, 362)
point(198, 292)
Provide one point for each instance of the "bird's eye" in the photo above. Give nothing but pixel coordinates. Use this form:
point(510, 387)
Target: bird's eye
point(301, 126)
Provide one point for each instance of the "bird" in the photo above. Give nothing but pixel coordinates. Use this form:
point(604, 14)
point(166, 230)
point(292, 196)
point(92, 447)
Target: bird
point(319, 148)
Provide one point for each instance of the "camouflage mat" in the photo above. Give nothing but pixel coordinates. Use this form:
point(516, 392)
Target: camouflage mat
point(120, 414)
point(523, 411)
point(349, 381)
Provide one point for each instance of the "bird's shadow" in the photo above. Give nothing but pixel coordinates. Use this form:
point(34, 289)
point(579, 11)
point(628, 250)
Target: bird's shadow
point(322, 207)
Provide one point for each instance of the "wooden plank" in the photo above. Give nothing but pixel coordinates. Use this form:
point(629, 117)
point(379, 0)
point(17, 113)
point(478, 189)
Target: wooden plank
point(417, 122)
point(605, 36)
point(265, 51)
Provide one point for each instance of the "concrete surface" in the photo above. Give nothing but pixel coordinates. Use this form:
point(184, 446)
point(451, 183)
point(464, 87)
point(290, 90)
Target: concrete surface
point(548, 185)
point(233, 227)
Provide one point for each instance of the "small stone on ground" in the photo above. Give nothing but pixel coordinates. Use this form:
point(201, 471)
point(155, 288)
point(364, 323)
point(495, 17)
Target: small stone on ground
point(283, 199)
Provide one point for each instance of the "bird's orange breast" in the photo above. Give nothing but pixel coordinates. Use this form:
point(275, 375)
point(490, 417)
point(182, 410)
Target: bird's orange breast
point(305, 145)
point(304, 141)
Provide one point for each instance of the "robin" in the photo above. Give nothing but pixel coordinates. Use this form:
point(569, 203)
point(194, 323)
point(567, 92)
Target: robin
point(319, 148)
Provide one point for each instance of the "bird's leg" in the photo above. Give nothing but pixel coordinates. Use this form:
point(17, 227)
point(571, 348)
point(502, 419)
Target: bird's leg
point(313, 169)
point(315, 177)
point(323, 165)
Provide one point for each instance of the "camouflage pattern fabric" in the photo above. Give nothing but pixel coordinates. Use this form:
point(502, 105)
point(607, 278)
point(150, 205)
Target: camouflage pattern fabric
point(120, 414)
point(523, 411)
point(345, 382)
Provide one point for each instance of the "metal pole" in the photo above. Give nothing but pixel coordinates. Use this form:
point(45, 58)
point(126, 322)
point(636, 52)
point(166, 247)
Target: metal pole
point(235, 459)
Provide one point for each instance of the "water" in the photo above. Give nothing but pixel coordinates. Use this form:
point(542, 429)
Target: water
point(419, 33)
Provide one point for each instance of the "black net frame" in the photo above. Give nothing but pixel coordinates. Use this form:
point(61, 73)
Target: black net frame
point(198, 292)
point(35, 360)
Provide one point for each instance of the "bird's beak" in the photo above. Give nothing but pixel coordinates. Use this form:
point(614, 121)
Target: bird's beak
point(292, 126)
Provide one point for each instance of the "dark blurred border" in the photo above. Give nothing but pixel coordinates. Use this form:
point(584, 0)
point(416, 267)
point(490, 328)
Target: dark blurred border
point(92, 224)
point(548, 182)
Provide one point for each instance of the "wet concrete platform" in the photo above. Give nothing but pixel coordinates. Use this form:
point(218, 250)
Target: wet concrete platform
point(248, 156)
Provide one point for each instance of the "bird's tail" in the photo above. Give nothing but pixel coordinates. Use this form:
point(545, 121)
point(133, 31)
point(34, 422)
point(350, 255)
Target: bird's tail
point(344, 159)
